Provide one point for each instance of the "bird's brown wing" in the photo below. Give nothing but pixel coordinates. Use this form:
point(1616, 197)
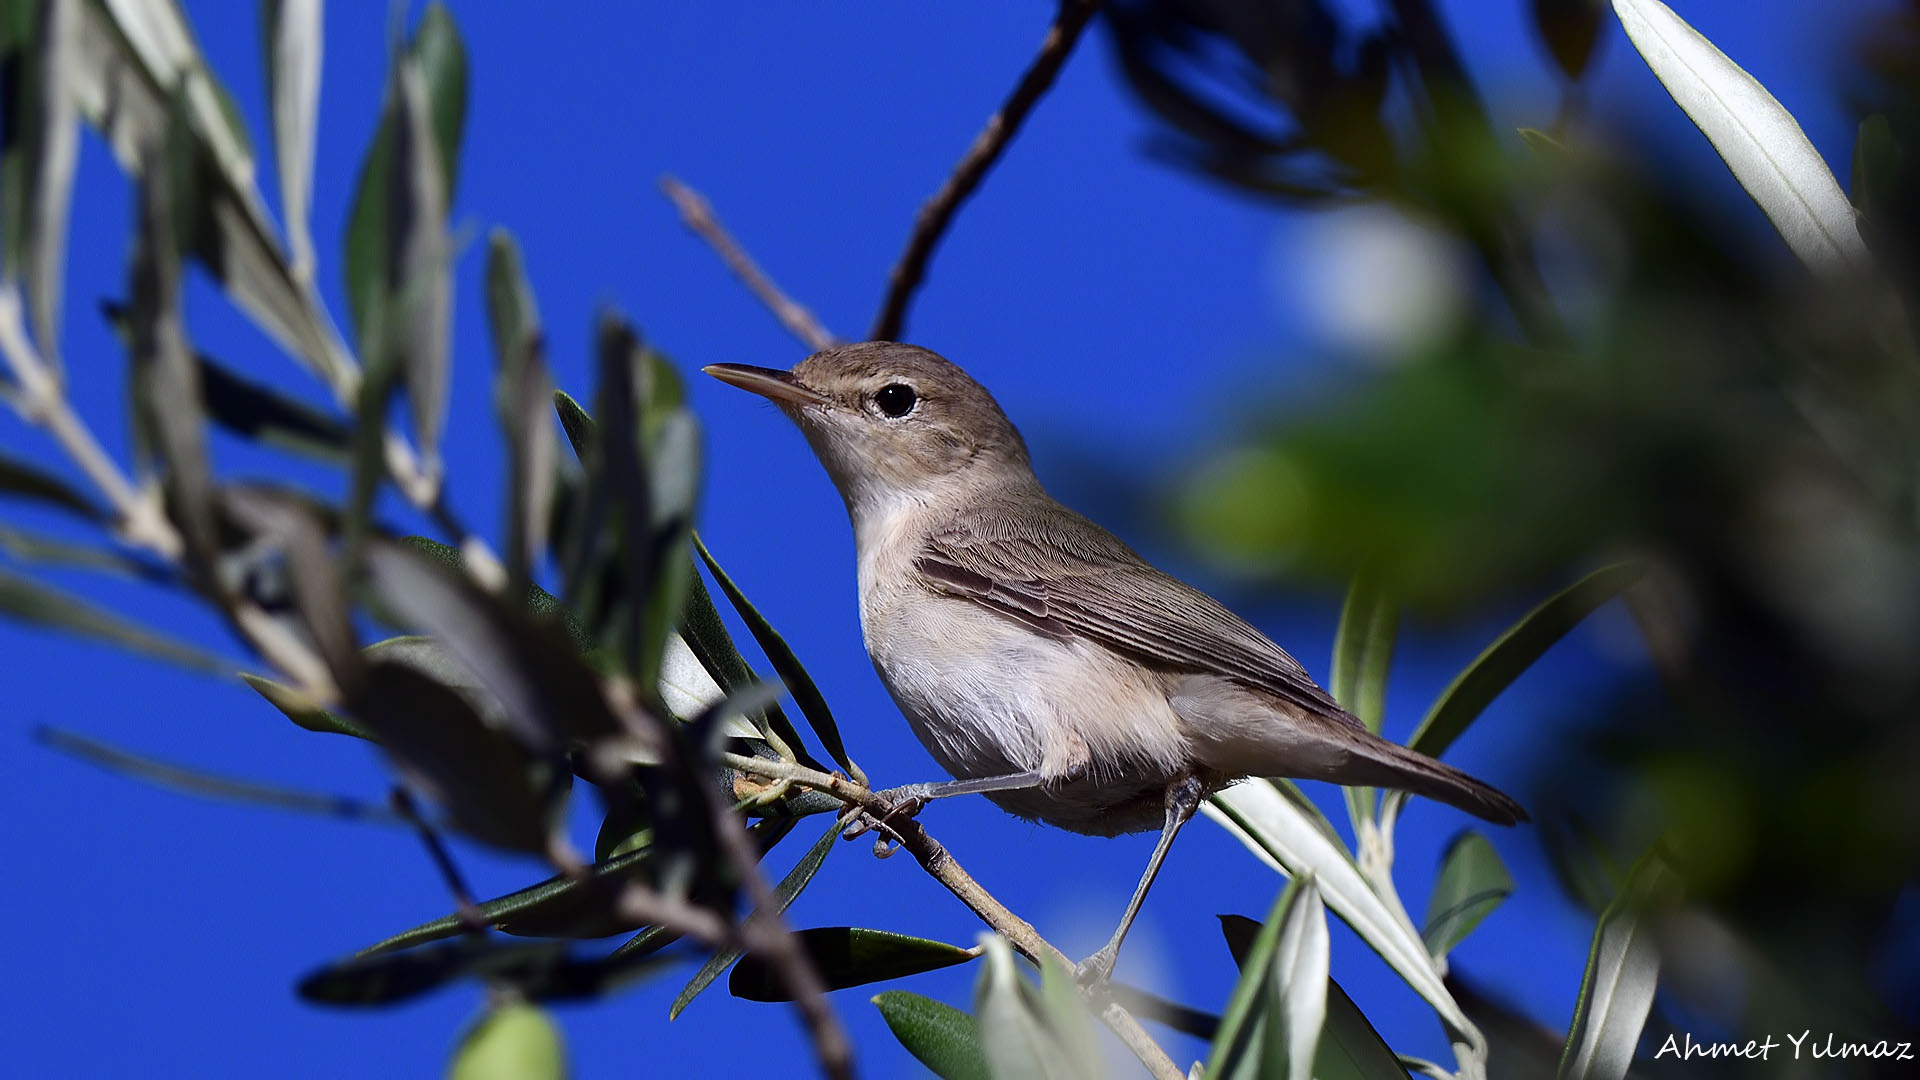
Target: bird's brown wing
point(1066, 577)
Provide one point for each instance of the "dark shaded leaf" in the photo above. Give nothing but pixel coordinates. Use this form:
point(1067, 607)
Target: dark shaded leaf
point(541, 971)
point(1874, 183)
point(253, 410)
point(1149, 1006)
point(578, 425)
point(1273, 1018)
point(30, 482)
point(492, 789)
point(646, 942)
point(1350, 1048)
point(548, 695)
point(208, 786)
point(31, 602)
point(1513, 652)
point(1240, 933)
point(813, 705)
point(1569, 28)
point(1473, 881)
point(848, 956)
point(939, 1036)
point(784, 893)
point(556, 907)
point(20, 105)
point(1581, 863)
point(1517, 1045)
point(303, 710)
point(515, 1041)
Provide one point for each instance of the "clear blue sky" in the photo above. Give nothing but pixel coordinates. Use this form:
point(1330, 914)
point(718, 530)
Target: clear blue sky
point(1119, 310)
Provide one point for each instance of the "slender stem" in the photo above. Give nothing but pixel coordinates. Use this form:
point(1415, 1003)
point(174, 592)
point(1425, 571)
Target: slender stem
point(937, 214)
point(470, 914)
point(209, 786)
point(696, 213)
point(940, 865)
point(40, 401)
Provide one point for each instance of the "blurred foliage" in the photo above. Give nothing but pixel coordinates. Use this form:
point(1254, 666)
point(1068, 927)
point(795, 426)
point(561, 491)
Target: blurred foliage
point(1675, 394)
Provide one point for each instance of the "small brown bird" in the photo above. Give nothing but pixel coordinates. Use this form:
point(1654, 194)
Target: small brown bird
point(1039, 659)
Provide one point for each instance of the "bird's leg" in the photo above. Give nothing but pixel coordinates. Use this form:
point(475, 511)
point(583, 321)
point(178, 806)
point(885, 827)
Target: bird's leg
point(1183, 798)
point(908, 799)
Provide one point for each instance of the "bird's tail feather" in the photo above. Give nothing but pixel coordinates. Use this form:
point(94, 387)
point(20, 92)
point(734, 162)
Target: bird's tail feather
point(1416, 773)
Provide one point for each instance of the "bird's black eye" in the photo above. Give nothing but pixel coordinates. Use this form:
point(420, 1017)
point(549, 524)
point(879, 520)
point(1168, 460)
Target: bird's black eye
point(896, 399)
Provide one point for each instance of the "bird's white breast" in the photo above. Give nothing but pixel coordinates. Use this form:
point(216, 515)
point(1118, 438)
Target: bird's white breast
point(987, 695)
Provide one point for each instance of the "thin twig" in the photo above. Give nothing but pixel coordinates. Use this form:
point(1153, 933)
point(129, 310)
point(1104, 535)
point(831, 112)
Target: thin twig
point(470, 914)
point(206, 785)
point(696, 213)
point(934, 217)
point(940, 865)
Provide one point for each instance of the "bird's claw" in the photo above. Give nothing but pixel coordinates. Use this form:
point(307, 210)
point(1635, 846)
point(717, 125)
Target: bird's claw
point(899, 804)
point(1093, 972)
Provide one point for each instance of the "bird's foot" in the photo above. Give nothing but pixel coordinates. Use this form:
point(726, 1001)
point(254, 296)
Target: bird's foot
point(1093, 972)
point(896, 804)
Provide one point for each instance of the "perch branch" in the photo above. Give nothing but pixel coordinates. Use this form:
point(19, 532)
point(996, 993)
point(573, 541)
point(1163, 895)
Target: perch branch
point(696, 213)
point(940, 865)
point(937, 213)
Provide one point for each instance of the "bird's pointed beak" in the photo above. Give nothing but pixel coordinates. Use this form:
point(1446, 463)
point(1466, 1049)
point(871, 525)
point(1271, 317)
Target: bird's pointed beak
point(777, 386)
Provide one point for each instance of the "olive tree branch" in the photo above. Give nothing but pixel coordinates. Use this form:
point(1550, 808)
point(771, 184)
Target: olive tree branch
point(937, 213)
point(934, 858)
point(696, 213)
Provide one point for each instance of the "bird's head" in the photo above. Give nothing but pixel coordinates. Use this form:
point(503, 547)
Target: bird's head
point(892, 422)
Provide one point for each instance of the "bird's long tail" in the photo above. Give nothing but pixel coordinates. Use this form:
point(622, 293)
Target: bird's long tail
point(1395, 766)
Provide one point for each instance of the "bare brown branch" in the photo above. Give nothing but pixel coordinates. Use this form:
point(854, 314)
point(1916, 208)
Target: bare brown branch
point(940, 865)
point(696, 213)
point(937, 214)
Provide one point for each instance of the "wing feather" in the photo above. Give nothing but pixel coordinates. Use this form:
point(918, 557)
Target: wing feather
point(1067, 577)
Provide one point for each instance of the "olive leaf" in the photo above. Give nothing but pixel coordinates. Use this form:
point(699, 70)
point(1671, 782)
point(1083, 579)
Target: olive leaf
point(848, 956)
